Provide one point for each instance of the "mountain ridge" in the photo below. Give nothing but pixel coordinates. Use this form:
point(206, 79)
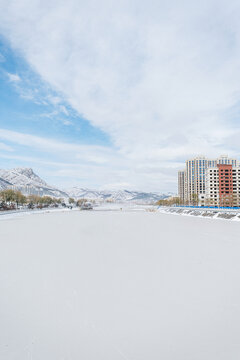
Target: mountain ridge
point(116, 195)
point(25, 180)
point(28, 182)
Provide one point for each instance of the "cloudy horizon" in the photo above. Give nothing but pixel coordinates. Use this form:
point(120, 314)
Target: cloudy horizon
point(118, 95)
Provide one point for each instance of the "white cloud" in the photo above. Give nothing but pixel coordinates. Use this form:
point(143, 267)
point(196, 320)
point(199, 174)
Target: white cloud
point(52, 146)
point(5, 147)
point(13, 77)
point(66, 164)
point(158, 77)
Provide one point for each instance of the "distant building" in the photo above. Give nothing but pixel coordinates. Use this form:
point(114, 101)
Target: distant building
point(181, 185)
point(210, 182)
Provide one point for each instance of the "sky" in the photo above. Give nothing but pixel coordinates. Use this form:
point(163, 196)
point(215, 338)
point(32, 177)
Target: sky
point(117, 95)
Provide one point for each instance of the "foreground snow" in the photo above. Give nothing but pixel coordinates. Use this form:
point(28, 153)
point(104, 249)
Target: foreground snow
point(109, 285)
point(20, 213)
point(11, 214)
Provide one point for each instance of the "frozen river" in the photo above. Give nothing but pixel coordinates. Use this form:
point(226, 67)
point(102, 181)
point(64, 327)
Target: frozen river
point(119, 285)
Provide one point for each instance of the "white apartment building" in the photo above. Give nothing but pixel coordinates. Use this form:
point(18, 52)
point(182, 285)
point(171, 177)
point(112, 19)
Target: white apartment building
point(222, 189)
point(212, 187)
point(198, 179)
point(195, 178)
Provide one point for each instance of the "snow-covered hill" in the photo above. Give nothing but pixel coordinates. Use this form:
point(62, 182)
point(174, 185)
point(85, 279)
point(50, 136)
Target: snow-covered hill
point(25, 180)
point(4, 184)
point(116, 196)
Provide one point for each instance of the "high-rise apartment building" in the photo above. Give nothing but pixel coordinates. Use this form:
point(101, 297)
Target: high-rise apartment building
point(223, 186)
point(195, 177)
point(210, 181)
point(181, 185)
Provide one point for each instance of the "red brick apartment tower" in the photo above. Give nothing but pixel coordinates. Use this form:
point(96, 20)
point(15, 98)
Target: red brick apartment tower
point(225, 185)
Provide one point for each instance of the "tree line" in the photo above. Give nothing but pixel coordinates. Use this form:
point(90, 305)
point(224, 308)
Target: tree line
point(170, 201)
point(80, 202)
point(13, 199)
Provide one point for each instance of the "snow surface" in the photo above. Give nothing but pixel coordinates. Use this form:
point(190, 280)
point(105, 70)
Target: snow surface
point(109, 285)
point(4, 184)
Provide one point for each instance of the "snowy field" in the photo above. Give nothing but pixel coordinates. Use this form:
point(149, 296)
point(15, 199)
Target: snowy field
point(111, 285)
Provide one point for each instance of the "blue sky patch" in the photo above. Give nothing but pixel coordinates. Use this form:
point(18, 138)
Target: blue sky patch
point(30, 106)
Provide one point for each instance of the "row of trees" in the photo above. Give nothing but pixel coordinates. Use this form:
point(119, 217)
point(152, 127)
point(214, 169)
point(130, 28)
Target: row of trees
point(79, 202)
point(170, 201)
point(226, 200)
point(11, 196)
point(178, 201)
point(11, 199)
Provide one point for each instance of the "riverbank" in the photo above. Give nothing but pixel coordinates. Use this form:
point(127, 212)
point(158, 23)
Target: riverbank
point(211, 213)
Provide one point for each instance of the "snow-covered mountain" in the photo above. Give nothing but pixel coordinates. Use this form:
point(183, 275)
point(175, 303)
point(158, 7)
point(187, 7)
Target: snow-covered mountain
point(25, 180)
point(116, 196)
point(4, 184)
